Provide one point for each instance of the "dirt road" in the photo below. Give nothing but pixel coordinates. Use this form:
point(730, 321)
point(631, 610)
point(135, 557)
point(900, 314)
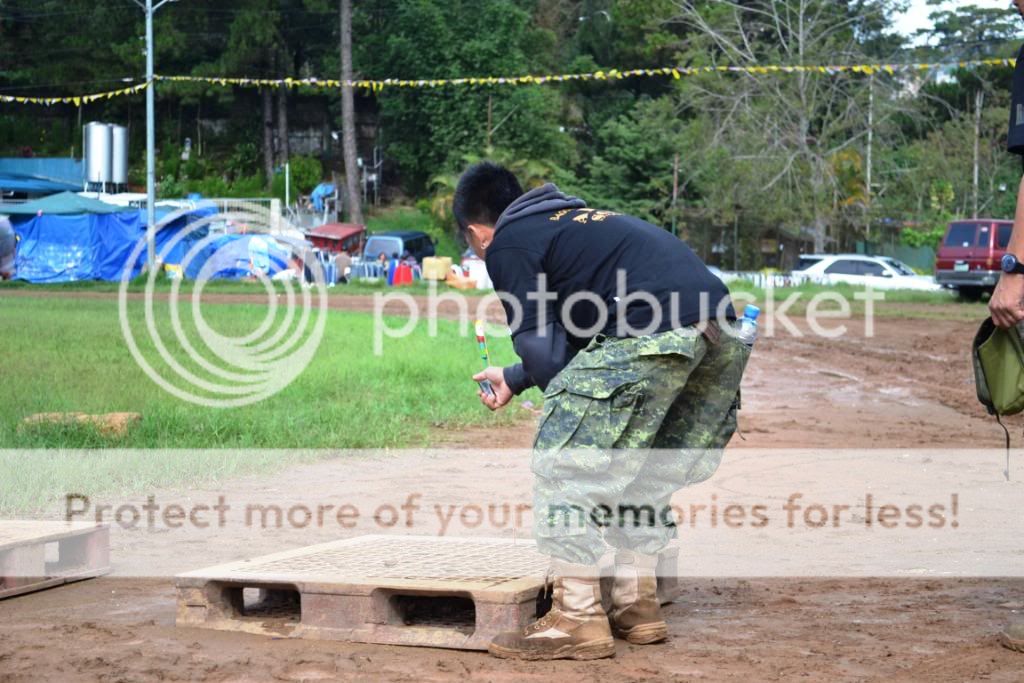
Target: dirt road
point(907, 387)
point(736, 630)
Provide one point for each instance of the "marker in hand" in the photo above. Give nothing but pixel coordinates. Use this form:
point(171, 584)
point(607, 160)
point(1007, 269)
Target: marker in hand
point(481, 341)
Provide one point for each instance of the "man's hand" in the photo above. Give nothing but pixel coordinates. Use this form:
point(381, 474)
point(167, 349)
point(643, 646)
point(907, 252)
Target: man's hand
point(1007, 303)
point(502, 394)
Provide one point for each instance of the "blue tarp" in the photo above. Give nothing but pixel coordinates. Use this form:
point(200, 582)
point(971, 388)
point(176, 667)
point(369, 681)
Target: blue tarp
point(229, 256)
point(90, 246)
point(68, 248)
point(40, 175)
point(168, 231)
point(319, 194)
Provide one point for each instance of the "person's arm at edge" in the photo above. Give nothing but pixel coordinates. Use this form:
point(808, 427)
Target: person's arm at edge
point(1007, 303)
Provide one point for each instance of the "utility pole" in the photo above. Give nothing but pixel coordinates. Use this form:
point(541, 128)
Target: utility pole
point(736, 238)
point(735, 228)
point(871, 139)
point(491, 130)
point(979, 99)
point(149, 9)
point(487, 145)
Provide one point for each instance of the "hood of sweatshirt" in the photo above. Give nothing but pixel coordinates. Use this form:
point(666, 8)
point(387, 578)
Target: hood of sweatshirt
point(544, 199)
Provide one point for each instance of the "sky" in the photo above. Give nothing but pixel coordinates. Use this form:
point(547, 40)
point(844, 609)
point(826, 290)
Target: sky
point(917, 16)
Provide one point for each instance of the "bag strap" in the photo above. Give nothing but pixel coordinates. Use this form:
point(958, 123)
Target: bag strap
point(1006, 472)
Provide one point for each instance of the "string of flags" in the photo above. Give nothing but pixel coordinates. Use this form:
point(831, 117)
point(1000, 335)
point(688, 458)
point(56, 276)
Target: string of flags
point(611, 74)
point(77, 100)
point(377, 85)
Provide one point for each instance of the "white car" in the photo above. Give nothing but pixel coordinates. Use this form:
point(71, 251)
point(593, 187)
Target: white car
point(879, 272)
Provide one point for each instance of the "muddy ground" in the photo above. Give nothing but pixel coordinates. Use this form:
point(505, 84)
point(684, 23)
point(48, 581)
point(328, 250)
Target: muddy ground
point(910, 386)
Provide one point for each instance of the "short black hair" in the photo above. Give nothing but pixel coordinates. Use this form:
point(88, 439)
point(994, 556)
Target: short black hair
point(484, 191)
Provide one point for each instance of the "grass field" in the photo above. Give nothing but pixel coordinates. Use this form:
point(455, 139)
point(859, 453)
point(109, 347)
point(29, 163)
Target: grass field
point(69, 355)
point(62, 355)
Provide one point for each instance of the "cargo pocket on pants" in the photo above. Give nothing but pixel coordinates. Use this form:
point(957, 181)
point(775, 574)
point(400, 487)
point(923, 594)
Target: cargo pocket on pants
point(581, 425)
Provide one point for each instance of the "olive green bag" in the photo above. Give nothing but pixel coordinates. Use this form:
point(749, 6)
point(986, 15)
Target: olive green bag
point(998, 357)
point(999, 369)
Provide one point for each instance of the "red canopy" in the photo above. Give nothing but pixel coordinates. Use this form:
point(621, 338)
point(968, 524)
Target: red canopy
point(336, 231)
point(337, 236)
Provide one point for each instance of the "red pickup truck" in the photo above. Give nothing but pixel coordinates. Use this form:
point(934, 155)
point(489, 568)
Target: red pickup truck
point(968, 258)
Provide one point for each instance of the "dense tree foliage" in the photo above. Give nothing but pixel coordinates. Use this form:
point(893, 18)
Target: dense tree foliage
point(729, 159)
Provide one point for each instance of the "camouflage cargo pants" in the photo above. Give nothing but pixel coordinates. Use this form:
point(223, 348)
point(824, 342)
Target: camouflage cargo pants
point(626, 424)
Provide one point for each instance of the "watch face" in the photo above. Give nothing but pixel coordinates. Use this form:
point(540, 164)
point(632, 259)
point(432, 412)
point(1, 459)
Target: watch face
point(1009, 262)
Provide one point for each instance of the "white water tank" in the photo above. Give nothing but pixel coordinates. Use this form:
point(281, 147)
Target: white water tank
point(118, 154)
point(97, 145)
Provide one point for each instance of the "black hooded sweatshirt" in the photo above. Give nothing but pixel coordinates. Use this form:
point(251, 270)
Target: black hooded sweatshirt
point(609, 256)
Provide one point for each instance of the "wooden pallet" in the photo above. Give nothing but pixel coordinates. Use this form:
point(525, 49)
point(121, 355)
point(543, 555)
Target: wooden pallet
point(37, 555)
point(398, 590)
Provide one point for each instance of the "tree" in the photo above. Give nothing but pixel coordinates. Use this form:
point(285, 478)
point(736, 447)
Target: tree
point(789, 126)
point(348, 116)
point(972, 32)
point(429, 130)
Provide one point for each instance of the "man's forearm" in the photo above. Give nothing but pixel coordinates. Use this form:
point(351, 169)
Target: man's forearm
point(544, 354)
point(1007, 303)
point(1016, 245)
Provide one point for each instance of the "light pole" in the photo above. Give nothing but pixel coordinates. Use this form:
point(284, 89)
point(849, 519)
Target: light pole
point(149, 8)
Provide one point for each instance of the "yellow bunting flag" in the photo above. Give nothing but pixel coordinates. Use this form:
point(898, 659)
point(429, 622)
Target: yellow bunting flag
point(378, 85)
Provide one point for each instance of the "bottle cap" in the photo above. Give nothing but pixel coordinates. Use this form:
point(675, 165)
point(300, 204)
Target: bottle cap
point(751, 311)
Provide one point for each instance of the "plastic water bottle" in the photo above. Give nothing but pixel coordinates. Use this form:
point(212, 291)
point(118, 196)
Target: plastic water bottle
point(748, 325)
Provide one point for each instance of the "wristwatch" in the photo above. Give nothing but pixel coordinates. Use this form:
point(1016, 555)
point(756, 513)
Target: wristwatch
point(1010, 264)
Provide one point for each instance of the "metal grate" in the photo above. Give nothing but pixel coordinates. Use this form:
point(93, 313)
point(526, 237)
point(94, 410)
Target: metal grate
point(409, 558)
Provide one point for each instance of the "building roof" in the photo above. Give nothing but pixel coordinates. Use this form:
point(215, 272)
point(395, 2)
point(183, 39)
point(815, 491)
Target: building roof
point(40, 175)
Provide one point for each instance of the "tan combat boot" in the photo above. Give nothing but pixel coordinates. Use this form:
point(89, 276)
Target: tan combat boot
point(636, 610)
point(1012, 636)
point(575, 628)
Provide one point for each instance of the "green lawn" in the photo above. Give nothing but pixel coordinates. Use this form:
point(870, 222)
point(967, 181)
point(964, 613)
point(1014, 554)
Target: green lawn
point(69, 355)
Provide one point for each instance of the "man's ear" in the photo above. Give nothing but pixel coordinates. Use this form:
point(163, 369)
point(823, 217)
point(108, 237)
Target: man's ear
point(483, 233)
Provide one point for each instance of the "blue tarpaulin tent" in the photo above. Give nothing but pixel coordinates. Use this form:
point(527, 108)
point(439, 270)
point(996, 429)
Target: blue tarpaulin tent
point(66, 237)
point(229, 257)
